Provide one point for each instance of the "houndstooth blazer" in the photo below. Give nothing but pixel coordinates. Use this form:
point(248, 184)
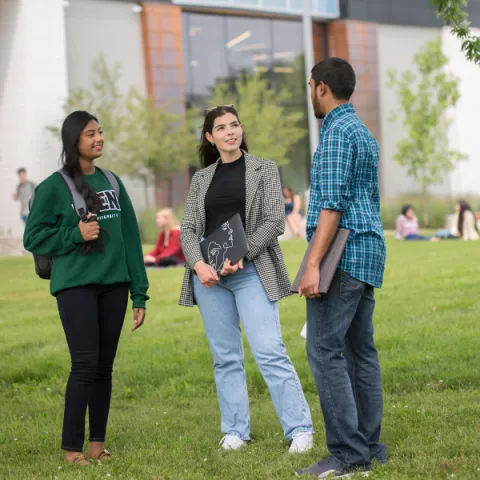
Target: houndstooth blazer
point(264, 222)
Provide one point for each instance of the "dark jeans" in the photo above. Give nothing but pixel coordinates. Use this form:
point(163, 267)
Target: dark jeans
point(442, 234)
point(92, 317)
point(344, 362)
point(417, 237)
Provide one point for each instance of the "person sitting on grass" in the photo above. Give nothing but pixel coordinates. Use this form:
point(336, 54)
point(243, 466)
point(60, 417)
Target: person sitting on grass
point(465, 225)
point(168, 250)
point(407, 225)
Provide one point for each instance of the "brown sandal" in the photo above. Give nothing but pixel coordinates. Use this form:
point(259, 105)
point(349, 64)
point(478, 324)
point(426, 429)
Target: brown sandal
point(103, 455)
point(78, 460)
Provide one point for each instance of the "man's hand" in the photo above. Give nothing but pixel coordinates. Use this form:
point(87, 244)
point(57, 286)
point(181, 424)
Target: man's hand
point(310, 282)
point(206, 274)
point(327, 226)
point(229, 269)
point(138, 318)
point(90, 231)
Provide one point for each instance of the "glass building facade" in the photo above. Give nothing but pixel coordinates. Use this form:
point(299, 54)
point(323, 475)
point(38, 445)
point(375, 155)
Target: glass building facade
point(323, 8)
point(217, 48)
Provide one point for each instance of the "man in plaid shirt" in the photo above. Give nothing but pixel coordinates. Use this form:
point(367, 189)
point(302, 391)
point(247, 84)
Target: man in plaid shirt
point(340, 345)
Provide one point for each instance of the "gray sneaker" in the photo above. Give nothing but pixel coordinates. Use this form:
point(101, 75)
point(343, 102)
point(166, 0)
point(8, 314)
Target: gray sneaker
point(331, 466)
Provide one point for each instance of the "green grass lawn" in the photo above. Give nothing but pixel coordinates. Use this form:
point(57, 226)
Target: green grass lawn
point(164, 422)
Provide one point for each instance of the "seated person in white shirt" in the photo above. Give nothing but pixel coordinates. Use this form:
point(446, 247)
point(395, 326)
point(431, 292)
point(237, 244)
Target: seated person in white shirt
point(465, 225)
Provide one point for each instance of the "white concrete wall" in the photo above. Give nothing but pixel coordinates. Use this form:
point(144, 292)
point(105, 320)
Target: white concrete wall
point(113, 29)
point(33, 82)
point(464, 134)
point(397, 47)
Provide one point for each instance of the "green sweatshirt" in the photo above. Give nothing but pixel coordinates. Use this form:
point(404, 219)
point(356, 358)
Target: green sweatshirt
point(52, 230)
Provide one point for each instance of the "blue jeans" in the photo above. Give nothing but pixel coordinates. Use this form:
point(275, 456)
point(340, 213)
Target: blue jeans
point(242, 295)
point(344, 362)
point(417, 237)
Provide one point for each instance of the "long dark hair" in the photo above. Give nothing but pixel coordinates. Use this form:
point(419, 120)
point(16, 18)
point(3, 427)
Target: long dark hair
point(208, 153)
point(464, 207)
point(72, 128)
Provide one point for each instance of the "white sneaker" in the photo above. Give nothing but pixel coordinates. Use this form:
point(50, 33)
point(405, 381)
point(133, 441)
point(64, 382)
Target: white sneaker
point(232, 442)
point(303, 333)
point(302, 442)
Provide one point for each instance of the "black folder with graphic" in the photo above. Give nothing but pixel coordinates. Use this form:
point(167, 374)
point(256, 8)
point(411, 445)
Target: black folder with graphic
point(227, 241)
point(329, 263)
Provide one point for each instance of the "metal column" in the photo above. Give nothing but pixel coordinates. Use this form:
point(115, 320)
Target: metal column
point(313, 129)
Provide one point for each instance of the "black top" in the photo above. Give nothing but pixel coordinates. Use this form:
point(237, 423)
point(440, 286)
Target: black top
point(226, 195)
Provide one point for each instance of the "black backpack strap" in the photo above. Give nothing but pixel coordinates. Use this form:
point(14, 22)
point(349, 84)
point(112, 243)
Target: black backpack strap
point(79, 204)
point(112, 179)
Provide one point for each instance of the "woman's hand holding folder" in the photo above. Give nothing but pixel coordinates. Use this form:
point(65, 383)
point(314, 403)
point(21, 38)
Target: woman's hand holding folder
point(229, 268)
point(206, 274)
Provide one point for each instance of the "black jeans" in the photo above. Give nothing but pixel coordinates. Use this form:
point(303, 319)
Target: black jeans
point(92, 317)
point(170, 261)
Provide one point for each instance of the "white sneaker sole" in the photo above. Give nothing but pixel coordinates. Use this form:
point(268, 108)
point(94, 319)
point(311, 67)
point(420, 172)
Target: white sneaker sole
point(346, 475)
point(349, 475)
point(236, 445)
point(303, 446)
point(232, 449)
point(300, 452)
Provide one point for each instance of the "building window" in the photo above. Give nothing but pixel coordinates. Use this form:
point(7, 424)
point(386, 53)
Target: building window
point(204, 57)
point(219, 48)
point(320, 8)
point(280, 4)
point(249, 45)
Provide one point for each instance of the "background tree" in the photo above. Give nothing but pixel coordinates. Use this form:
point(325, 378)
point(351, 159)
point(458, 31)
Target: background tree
point(271, 128)
point(156, 144)
point(425, 96)
point(454, 15)
point(143, 141)
point(104, 100)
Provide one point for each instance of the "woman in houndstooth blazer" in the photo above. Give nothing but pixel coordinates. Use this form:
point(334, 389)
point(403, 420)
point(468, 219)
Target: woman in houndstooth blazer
point(233, 181)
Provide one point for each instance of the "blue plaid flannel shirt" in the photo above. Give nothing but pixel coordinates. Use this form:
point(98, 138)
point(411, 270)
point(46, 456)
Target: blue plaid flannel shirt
point(344, 178)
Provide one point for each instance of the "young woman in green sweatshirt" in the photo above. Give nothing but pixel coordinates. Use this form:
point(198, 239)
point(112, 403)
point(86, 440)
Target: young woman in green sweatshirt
point(95, 265)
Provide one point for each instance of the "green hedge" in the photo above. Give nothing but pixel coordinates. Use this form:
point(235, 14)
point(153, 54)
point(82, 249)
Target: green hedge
point(438, 209)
